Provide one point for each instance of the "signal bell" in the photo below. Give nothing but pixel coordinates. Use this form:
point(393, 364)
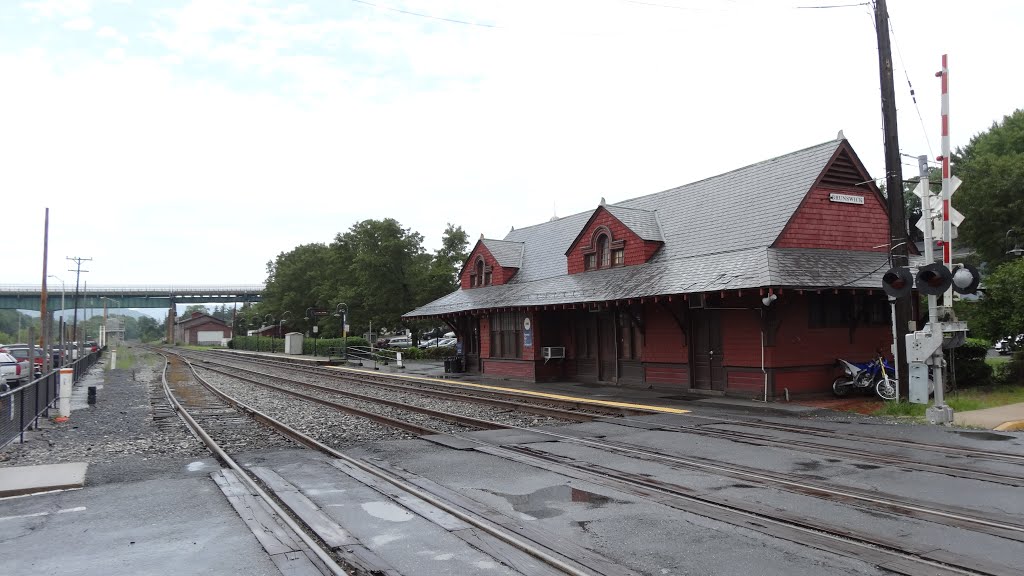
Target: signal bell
point(897, 282)
point(965, 279)
point(933, 279)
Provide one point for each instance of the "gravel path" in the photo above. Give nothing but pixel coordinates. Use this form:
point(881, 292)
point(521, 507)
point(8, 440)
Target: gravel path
point(326, 425)
point(118, 436)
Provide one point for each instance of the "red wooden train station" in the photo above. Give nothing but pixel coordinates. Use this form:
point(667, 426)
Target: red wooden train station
point(750, 283)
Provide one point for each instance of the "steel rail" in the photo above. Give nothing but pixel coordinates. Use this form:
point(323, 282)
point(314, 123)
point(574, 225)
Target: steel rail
point(376, 379)
point(223, 456)
point(853, 453)
point(769, 478)
point(532, 408)
point(399, 483)
point(457, 418)
point(971, 452)
point(648, 486)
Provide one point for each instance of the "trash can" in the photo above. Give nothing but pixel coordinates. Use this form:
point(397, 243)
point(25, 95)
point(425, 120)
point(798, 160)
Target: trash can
point(447, 364)
point(457, 364)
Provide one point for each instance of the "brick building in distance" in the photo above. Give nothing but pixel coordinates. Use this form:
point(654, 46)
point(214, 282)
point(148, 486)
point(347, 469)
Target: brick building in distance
point(748, 283)
point(201, 328)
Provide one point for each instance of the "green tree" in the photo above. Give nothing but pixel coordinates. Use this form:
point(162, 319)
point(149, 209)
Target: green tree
point(1001, 312)
point(301, 278)
point(442, 277)
point(194, 308)
point(992, 195)
point(382, 267)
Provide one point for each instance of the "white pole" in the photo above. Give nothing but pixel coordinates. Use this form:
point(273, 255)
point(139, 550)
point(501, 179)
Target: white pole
point(67, 376)
point(947, 229)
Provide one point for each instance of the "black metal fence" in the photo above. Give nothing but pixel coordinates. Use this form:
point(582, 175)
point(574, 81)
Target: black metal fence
point(21, 407)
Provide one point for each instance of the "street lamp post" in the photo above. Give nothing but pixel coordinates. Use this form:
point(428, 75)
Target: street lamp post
point(104, 298)
point(61, 319)
point(280, 326)
point(310, 317)
point(255, 323)
point(342, 312)
point(269, 319)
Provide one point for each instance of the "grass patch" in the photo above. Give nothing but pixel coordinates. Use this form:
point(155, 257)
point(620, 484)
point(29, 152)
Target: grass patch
point(961, 401)
point(993, 362)
point(126, 359)
point(197, 347)
point(901, 408)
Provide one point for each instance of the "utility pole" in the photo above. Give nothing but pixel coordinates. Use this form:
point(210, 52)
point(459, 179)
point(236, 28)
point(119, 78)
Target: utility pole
point(44, 319)
point(894, 188)
point(78, 271)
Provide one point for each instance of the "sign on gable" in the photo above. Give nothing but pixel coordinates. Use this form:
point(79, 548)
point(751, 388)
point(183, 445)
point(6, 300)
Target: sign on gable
point(845, 198)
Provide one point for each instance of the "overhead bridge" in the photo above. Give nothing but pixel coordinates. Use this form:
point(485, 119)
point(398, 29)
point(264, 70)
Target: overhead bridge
point(28, 297)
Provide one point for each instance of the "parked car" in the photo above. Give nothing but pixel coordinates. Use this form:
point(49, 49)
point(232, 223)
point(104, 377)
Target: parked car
point(400, 342)
point(433, 342)
point(1010, 344)
point(16, 371)
point(21, 352)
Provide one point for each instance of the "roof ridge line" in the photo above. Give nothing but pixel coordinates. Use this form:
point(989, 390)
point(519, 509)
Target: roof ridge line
point(619, 204)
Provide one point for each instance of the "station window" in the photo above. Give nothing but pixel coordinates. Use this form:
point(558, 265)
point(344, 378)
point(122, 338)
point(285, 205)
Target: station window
point(602, 251)
point(506, 338)
point(590, 261)
point(618, 257)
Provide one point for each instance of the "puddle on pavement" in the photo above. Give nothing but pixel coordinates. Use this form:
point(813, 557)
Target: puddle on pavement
point(387, 511)
point(543, 503)
point(984, 435)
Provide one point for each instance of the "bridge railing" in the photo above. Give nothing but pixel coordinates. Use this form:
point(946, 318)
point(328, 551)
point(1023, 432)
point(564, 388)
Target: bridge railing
point(22, 407)
point(143, 289)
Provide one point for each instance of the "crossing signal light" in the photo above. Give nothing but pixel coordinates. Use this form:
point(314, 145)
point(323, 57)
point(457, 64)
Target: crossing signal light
point(965, 279)
point(897, 282)
point(933, 279)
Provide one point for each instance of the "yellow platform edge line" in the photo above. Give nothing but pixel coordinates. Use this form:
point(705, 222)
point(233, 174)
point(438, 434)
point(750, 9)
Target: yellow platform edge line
point(611, 403)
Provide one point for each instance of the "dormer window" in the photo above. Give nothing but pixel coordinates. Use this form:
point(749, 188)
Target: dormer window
point(481, 275)
point(603, 252)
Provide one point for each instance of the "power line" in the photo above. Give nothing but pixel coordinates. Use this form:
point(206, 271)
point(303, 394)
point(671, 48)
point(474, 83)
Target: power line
point(430, 16)
point(903, 64)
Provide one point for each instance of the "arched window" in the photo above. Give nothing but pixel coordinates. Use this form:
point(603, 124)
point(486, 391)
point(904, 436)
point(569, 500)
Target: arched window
point(479, 272)
point(603, 251)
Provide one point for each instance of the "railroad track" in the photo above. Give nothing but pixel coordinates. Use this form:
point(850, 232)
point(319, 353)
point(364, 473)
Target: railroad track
point(554, 407)
point(902, 557)
point(215, 416)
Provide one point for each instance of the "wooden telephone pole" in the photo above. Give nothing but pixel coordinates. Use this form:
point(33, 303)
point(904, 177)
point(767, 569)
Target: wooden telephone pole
point(899, 238)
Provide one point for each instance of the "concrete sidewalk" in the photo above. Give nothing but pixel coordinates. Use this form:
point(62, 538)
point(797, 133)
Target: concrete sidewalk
point(1004, 418)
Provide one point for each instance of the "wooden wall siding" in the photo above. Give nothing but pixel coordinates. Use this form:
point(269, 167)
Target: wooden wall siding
point(663, 339)
point(514, 369)
point(485, 336)
point(586, 370)
point(814, 380)
point(821, 223)
point(499, 275)
point(796, 344)
point(741, 336)
point(744, 382)
point(635, 250)
point(667, 374)
point(631, 373)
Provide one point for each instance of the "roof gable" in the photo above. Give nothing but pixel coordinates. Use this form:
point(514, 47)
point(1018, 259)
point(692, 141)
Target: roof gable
point(645, 220)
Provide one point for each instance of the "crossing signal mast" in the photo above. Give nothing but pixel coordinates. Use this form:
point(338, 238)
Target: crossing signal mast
point(938, 220)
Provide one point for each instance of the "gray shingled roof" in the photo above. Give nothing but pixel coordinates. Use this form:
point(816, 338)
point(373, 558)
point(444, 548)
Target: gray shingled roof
point(717, 234)
point(508, 254)
point(643, 223)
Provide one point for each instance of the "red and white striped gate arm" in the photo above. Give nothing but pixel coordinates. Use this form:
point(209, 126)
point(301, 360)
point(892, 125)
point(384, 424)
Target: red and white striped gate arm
point(947, 232)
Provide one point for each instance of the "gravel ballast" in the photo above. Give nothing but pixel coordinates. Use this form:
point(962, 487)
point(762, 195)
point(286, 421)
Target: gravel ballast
point(118, 436)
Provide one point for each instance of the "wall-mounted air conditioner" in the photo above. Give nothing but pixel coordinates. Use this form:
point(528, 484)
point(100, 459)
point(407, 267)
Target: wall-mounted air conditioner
point(549, 352)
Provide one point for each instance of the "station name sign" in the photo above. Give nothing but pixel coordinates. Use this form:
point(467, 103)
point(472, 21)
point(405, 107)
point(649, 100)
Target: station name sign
point(845, 198)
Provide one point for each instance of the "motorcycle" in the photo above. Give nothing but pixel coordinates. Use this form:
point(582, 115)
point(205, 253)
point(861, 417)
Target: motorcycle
point(876, 374)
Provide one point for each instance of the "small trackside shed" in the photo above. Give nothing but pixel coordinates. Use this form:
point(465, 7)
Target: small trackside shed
point(201, 328)
point(749, 283)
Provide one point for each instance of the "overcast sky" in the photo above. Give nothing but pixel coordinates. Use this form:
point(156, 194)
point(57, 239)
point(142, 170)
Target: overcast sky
point(191, 142)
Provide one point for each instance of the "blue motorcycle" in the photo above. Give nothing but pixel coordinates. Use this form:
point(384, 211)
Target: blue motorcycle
point(877, 374)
